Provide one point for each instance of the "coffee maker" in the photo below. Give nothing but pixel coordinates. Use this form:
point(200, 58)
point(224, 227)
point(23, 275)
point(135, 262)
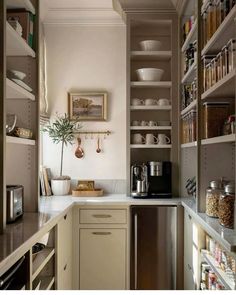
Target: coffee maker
point(159, 179)
point(139, 181)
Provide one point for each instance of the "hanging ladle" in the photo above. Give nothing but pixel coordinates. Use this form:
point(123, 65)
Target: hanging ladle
point(79, 153)
point(98, 150)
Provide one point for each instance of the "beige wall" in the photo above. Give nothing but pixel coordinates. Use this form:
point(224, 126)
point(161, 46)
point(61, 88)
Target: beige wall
point(88, 58)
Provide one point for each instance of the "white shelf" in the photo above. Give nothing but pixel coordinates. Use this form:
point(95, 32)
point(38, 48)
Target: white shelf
point(229, 284)
point(151, 146)
point(220, 139)
point(151, 55)
point(41, 260)
point(192, 105)
point(15, 44)
point(223, 88)
point(25, 4)
point(224, 33)
point(14, 91)
point(191, 36)
point(191, 74)
point(18, 140)
point(150, 108)
point(151, 84)
point(189, 144)
point(150, 128)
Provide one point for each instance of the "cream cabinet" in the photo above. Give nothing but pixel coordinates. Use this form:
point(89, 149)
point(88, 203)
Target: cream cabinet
point(103, 249)
point(194, 241)
point(64, 252)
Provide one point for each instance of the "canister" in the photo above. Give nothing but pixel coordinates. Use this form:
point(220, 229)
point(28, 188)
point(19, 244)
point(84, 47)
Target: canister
point(213, 193)
point(226, 206)
point(232, 54)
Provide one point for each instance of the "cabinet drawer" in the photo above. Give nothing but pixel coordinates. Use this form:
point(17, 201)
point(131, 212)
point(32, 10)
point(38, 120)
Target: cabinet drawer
point(102, 216)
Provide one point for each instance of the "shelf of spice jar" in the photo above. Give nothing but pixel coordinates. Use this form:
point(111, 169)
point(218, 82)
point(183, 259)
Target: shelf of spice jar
point(223, 88)
point(222, 35)
point(191, 37)
point(227, 282)
point(191, 74)
point(220, 139)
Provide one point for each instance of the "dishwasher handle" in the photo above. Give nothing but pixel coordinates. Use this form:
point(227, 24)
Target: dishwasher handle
point(136, 251)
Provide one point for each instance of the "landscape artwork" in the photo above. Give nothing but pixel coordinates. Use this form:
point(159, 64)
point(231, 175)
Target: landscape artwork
point(88, 106)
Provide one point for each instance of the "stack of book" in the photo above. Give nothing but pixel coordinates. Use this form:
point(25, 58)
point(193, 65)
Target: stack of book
point(45, 182)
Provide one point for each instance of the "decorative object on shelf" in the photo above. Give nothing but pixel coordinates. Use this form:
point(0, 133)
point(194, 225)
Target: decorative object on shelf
point(22, 132)
point(10, 122)
point(79, 153)
point(149, 74)
point(26, 20)
point(150, 45)
point(86, 188)
point(62, 130)
point(88, 106)
point(229, 125)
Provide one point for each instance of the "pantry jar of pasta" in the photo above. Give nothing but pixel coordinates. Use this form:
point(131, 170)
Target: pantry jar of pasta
point(213, 194)
point(226, 206)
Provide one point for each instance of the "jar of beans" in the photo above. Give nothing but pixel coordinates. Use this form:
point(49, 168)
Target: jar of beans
point(226, 206)
point(212, 197)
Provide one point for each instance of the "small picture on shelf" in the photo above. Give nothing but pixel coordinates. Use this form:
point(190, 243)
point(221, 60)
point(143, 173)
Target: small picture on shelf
point(91, 106)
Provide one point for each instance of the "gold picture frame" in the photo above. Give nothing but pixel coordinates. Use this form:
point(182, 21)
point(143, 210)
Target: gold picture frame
point(87, 106)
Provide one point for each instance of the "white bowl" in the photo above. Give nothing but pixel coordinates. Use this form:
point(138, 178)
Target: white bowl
point(150, 45)
point(149, 74)
point(17, 74)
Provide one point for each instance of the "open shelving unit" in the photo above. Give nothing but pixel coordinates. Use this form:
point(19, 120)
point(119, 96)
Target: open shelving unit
point(153, 26)
point(224, 278)
point(190, 107)
point(16, 54)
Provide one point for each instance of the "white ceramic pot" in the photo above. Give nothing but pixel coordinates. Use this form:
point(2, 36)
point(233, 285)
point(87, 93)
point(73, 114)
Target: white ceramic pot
point(60, 187)
point(150, 45)
point(149, 74)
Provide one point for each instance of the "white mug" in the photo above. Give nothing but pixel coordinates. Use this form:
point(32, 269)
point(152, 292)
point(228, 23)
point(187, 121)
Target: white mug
point(137, 138)
point(151, 139)
point(144, 123)
point(152, 123)
point(163, 139)
point(151, 102)
point(137, 102)
point(163, 102)
point(135, 123)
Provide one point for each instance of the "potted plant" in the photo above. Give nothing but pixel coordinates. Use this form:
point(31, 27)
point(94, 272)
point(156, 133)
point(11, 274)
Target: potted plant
point(61, 131)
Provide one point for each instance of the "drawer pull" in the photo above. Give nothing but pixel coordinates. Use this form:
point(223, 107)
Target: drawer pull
point(102, 215)
point(65, 267)
point(105, 233)
point(65, 216)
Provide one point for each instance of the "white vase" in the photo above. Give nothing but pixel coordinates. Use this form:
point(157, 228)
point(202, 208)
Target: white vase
point(60, 187)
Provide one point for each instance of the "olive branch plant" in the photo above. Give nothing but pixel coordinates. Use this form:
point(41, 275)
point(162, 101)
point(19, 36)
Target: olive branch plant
point(62, 130)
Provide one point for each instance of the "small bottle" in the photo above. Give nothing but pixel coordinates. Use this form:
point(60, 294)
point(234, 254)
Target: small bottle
point(226, 206)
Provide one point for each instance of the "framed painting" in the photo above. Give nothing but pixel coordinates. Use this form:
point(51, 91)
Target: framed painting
point(88, 106)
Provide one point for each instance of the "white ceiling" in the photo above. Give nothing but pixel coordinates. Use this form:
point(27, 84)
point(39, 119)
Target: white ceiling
point(94, 11)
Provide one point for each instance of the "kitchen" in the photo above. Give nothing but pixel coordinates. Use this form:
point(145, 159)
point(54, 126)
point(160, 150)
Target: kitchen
point(117, 145)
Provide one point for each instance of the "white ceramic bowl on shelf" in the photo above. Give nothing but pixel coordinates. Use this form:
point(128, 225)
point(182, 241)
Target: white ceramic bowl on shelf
point(149, 74)
point(150, 45)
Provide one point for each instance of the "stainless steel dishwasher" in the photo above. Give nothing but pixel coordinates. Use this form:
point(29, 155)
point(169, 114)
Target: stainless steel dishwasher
point(153, 247)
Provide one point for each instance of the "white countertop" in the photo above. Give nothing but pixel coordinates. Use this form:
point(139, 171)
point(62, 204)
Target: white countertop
point(25, 232)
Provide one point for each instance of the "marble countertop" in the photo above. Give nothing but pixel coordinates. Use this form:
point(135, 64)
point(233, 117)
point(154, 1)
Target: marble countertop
point(24, 233)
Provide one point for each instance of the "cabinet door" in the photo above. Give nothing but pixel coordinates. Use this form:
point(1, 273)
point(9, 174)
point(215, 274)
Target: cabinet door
point(64, 251)
point(102, 259)
point(188, 253)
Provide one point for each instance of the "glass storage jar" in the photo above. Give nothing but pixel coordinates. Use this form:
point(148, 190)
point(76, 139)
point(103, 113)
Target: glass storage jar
point(212, 197)
point(226, 206)
point(232, 54)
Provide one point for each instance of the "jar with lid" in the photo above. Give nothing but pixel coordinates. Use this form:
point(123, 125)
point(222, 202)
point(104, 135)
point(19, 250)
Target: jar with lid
point(210, 12)
point(225, 61)
point(213, 71)
point(219, 66)
point(212, 197)
point(232, 54)
point(226, 206)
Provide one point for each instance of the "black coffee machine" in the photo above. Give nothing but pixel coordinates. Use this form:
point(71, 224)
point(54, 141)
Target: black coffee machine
point(159, 179)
